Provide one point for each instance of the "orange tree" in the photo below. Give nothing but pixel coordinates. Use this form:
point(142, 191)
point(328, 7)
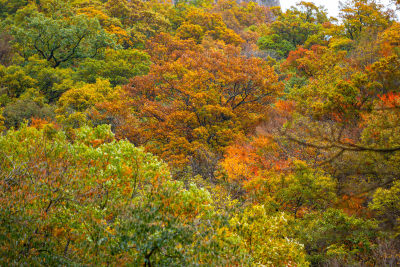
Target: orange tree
point(199, 23)
point(196, 100)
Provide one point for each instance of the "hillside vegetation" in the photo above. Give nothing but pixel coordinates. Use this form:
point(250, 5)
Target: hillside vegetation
point(144, 133)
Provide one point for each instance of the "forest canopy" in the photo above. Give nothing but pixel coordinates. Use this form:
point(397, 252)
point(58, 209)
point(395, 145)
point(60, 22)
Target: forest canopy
point(199, 133)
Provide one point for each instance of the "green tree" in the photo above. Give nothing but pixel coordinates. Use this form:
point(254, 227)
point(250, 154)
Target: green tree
point(268, 238)
point(83, 198)
point(31, 104)
point(61, 39)
point(295, 27)
point(118, 66)
point(275, 43)
point(386, 203)
point(335, 237)
point(50, 82)
point(8, 7)
point(14, 81)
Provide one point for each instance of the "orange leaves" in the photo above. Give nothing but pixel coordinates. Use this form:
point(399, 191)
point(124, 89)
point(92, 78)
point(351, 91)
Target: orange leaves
point(165, 47)
point(38, 123)
point(295, 56)
point(236, 164)
point(353, 204)
point(97, 142)
point(312, 62)
point(246, 162)
point(305, 61)
point(389, 40)
point(127, 170)
point(284, 107)
point(210, 24)
point(195, 99)
point(390, 100)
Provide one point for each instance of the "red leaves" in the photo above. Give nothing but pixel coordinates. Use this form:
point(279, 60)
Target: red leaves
point(390, 100)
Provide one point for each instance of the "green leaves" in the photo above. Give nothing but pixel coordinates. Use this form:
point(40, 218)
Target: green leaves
point(295, 27)
point(361, 15)
point(337, 236)
point(275, 43)
point(118, 66)
point(87, 198)
point(62, 40)
point(304, 189)
point(386, 203)
point(79, 188)
point(293, 142)
point(268, 238)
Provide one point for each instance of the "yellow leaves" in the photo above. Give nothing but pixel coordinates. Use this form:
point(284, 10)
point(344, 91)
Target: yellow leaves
point(358, 15)
point(390, 39)
point(200, 23)
point(121, 34)
point(223, 231)
point(186, 31)
point(340, 43)
point(94, 13)
point(266, 239)
point(86, 96)
point(58, 232)
point(110, 230)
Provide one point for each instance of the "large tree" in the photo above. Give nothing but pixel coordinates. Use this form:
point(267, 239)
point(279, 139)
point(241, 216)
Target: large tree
point(61, 39)
point(198, 99)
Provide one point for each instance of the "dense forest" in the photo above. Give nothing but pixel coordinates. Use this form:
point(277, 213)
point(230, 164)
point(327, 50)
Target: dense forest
point(199, 133)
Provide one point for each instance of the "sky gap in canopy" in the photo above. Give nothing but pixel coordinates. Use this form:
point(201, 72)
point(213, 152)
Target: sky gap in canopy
point(331, 5)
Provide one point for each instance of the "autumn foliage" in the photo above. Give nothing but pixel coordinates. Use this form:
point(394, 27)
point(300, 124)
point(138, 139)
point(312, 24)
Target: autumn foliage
point(199, 133)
